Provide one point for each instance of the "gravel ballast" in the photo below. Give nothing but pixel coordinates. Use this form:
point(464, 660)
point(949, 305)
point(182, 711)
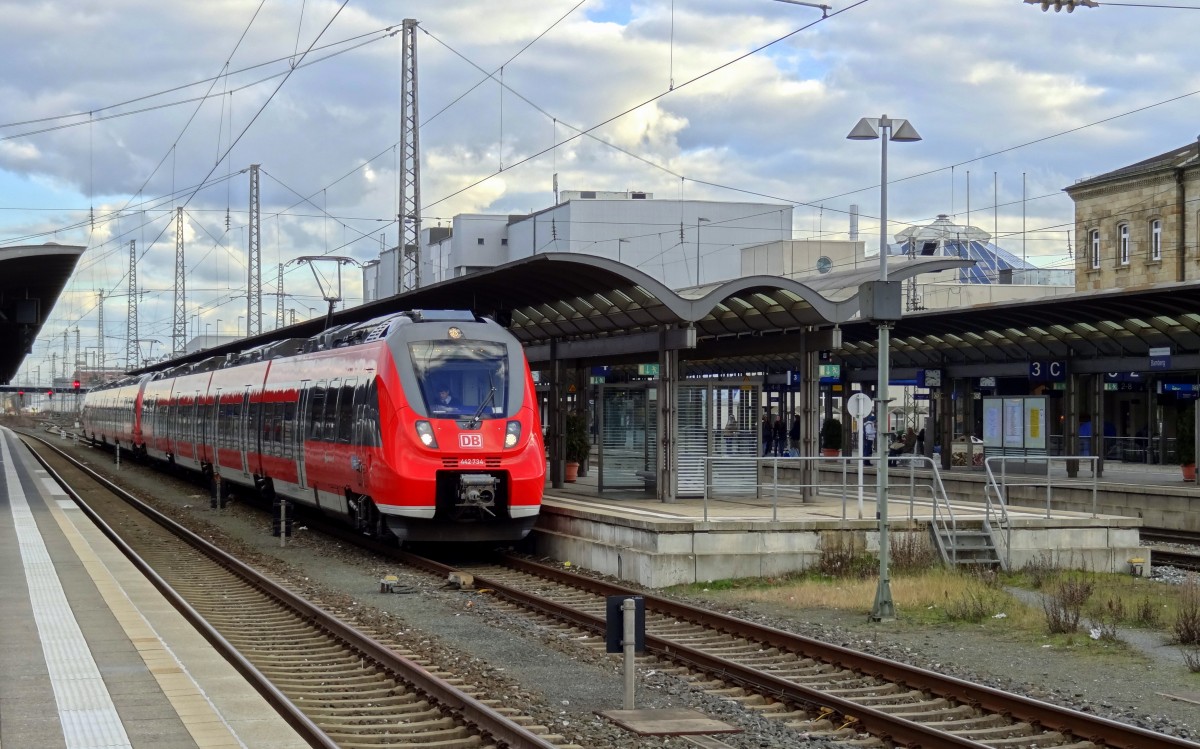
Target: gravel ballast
point(562, 677)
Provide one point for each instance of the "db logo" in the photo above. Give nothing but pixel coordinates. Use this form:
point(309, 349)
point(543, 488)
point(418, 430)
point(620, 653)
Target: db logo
point(470, 440)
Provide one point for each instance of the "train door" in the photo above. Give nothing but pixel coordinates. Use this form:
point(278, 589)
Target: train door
point(329, 429)
point(299, 426)
point(366, 430)
point(248, 439)
point(208, 429)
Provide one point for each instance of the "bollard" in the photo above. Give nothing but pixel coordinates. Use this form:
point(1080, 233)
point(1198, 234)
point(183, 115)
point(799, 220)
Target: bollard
point(625, 632)
point(628, 643)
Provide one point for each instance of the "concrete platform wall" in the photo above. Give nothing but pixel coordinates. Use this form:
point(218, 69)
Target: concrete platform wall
point(662, 554)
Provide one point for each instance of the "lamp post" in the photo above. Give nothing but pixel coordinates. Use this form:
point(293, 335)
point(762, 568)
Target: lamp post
point(885, 309)
point(698, 222)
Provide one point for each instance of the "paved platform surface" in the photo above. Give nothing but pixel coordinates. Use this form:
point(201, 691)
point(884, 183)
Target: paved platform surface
point(776, 527)
point(833, 502)
point(92, 654)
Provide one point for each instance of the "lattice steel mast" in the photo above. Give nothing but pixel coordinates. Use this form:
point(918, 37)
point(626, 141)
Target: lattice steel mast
point(409, 265)
point(279, 299)
point(100, 326)
point(131, 321)
point(179, 324)
point(254, 284)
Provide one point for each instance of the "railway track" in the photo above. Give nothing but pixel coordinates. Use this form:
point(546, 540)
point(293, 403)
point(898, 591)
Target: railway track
point(817, 688)
point(335, 685)
point(1183, 559)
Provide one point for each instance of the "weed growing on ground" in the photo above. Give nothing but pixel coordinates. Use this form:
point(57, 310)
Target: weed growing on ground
point(844, 556)
point(976, 604)
point(1040, 571)
point(1187, 615)
point(1191, 657)
point(1064, 604)
point(912, 552)
point(1147, 613)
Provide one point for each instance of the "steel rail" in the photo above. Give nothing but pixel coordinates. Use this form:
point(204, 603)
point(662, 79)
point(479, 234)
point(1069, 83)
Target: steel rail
point(304, 726)
point(1102, 731)
point(475, 712)
point(878, 723)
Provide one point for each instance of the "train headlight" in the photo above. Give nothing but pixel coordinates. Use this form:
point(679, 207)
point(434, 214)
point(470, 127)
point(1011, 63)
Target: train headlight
point(425, 432)
point(512, 434)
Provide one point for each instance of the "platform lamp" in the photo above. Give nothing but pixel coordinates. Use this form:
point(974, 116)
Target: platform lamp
point(881, 303)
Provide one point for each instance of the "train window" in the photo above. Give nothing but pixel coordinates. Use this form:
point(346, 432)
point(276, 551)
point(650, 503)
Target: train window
point(475, 373)
point(277, 429)
point(253, 431)
point(288, 433)
point(316, 411)
point(367, 423)
point(345, 415)
point(264, 427)
point(331, 410)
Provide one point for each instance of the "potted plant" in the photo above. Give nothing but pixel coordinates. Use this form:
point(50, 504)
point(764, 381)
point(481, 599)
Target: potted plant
point(831, 437)
point(578, 445)
point(1185, 441)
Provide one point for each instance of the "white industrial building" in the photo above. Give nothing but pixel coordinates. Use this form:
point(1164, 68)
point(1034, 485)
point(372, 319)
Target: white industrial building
point(668, 239)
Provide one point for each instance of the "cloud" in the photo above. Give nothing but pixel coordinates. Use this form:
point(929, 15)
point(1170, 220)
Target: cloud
point(976, 79)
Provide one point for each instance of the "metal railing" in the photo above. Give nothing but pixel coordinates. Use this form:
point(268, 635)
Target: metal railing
point(784, 478)
point(1000, 482)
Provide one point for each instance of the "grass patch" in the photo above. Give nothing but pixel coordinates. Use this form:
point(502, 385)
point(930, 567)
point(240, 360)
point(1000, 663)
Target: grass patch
point(1078, 610)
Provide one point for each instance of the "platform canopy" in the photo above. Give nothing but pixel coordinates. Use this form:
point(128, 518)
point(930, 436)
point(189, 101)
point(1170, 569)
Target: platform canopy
point(1112, 328)
point(31, 279)
point(612, 310)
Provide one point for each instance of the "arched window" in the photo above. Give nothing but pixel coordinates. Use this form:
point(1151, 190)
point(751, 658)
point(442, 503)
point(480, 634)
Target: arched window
point(1094, 240)
point(1156, 239)
point(1123, 244)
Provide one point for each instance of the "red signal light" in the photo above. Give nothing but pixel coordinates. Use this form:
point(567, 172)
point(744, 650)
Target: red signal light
point(50, 394)
point(76, 384)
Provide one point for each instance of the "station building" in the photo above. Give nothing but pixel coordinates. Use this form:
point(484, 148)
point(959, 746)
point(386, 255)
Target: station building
point(1140, 224)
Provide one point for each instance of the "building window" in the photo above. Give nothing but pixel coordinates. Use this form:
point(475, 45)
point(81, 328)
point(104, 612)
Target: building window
point(1156, 239)
point(1094, 238)
point(504, 241)
point(1123, 243)
point(479, 241)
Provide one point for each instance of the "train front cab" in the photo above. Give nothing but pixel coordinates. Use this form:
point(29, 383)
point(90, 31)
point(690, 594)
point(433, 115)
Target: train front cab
point(473, 468)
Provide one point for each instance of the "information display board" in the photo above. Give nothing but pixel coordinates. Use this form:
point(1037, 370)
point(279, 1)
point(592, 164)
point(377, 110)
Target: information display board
point(1018, 423)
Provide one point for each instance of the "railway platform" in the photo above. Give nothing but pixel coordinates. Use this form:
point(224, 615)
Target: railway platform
point(780, 529)
point(92, 654)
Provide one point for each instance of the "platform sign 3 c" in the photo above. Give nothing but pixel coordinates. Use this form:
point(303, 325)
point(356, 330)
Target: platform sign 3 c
point(1048, 371)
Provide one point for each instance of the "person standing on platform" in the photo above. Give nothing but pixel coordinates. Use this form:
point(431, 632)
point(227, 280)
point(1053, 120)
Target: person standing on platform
point(794, 435)
point(766, 434)
point(779, 433)
point(868, 438)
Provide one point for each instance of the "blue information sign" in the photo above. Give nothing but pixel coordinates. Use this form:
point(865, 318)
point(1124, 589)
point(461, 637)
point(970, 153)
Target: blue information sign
point(1048, 371)
point(1160, 358)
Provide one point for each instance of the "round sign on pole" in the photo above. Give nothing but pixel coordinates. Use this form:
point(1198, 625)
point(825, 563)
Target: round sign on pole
point(859, 405)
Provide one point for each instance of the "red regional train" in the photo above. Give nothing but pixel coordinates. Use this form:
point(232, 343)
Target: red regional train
point(421, 425)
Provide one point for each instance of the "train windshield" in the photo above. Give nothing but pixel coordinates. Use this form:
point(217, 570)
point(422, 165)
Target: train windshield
point(462, 378)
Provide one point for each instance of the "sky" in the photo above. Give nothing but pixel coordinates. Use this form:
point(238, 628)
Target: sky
point(119, 112)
